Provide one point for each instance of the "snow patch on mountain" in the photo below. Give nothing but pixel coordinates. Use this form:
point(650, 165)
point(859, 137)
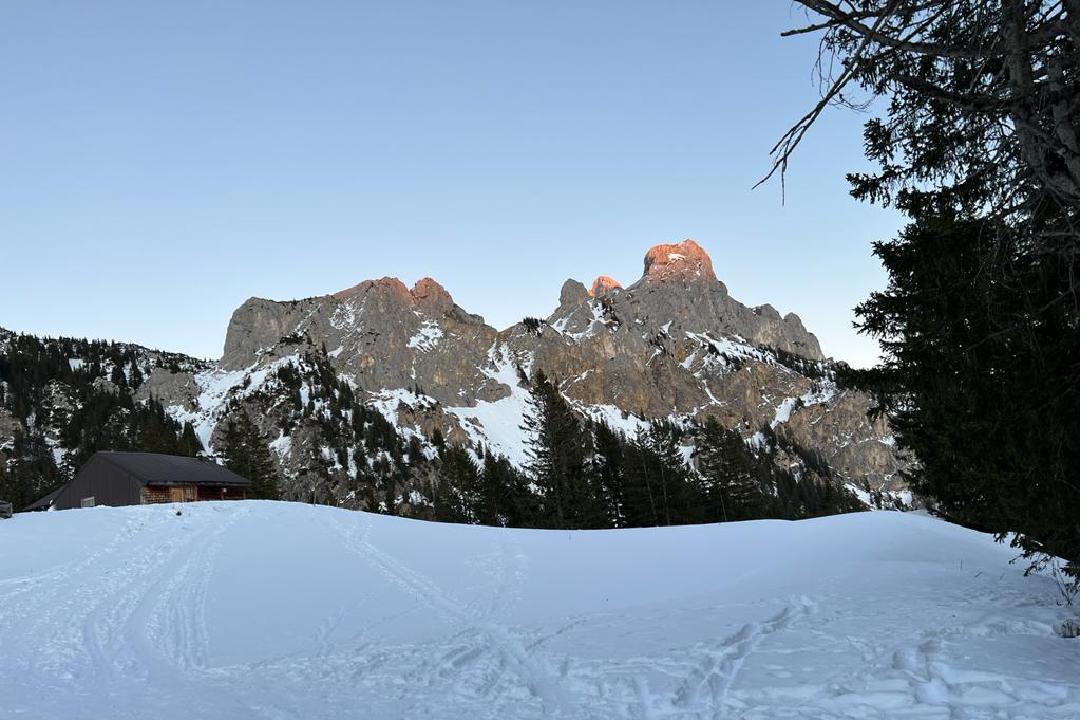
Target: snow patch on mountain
point(346, 315)
point(389, 404)
point(217, 388)
point(500, 424)
point(281, 445)
point(616, 418)
point(822, 394)
point(723, 348)
point(593, 322)
point(427, 337)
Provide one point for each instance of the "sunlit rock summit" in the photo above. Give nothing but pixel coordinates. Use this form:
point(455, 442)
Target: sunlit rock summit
point(685, 261)
point(603, 285)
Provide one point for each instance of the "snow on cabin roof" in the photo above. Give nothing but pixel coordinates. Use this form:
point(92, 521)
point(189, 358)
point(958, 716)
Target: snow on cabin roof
point(154, 469)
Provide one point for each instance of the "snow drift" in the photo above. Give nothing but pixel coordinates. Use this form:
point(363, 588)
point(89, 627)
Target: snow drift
point(282, 610)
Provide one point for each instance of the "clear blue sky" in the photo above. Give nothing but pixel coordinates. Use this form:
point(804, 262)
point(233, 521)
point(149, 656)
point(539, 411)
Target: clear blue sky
point(162, 162)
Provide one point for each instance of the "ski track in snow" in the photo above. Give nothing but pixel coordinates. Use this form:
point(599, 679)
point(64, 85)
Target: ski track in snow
point(853, 617)
point(479, 639)
point(711, 680)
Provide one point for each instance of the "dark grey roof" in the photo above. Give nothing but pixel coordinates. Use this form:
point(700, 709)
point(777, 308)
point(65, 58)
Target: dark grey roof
point(153, 469)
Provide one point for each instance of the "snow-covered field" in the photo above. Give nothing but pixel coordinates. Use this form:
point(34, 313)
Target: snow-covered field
point(281, 610)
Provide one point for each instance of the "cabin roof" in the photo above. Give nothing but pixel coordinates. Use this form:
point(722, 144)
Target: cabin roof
point(154, 469)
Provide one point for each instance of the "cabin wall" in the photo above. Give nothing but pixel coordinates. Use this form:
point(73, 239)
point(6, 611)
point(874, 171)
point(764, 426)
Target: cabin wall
point(168, 493)
point(190, 493)
point(209, 492)
point(103, 481)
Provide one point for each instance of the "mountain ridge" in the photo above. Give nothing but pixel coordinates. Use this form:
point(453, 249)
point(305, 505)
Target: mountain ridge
point(673, 346)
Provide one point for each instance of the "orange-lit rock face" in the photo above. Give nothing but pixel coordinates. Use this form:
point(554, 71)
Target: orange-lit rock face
point(603, 285)
point(431, 295)
point(685, 260)
point(391, 284)
point(426, 292)
point(428, 287)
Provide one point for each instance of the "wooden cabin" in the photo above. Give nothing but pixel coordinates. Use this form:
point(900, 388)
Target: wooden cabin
point(135, 478)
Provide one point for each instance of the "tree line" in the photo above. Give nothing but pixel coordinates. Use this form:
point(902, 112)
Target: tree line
point(976, 141)
point(583, 474)
point(43, 387)
point(580, 474)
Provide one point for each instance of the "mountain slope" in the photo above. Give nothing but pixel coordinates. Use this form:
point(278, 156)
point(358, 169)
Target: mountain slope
point(275, 610)
point(355, 392)
point(673, 345)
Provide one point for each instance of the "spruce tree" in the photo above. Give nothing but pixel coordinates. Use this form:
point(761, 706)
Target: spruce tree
point(33, 472)
point(370, 500)
point(189, 442)
point(641, 497)
point(416, 453)
point(609, 470)
point(456, 488)
point(136, 376)
point(560, 452)
point(976, 143)
point(732, 490)
point(680, 495)
point(390, 502)
point(9, 491)
point(247, 455)
point(989, 405)
point(502, 498)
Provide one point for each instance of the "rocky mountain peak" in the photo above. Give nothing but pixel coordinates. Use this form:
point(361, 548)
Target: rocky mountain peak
point(572, 293)
point(384, 286)
point(685, 260)
point(432, 296)
point(426, 294)
point(603, 285)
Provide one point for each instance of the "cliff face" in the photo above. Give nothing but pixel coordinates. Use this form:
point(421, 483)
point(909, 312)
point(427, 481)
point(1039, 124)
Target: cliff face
point(362, 383)
point(380, 333)
point(669, 343)
point(672, 344)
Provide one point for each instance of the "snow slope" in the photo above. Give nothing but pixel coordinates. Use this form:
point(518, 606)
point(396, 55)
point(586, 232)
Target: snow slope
point(282, 610)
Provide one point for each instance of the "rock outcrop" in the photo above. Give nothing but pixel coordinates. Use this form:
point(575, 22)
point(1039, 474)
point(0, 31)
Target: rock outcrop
point(603, 285)
point(672, 344)
point(685, 261)
point(380, 333)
